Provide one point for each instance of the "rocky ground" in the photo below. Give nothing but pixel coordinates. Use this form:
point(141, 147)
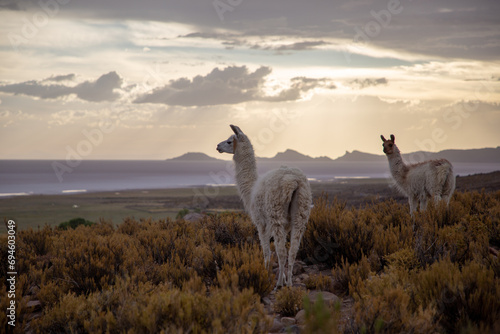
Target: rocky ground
point(283, 324)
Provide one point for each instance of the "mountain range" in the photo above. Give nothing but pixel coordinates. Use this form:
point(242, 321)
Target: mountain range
point(488, 155)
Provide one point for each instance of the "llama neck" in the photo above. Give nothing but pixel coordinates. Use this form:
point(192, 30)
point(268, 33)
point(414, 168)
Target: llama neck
point(398, 168)
point(246, 171)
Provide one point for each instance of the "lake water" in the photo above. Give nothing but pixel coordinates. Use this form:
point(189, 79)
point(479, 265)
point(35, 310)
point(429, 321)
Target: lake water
point(25, 177)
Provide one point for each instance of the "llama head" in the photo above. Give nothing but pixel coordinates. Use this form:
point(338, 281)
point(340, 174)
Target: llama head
point(389, 145)
point(229, 145)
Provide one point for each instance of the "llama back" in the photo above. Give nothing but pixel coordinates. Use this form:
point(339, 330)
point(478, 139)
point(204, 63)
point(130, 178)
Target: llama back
point(434, 177)
point(446, 177)
point(277, 187)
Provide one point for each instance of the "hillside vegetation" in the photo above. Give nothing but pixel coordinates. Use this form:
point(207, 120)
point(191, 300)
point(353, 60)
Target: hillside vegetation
point(209, 276)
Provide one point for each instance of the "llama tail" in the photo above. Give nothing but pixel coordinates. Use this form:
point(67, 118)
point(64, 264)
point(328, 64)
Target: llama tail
point(448, 181)
point(300, 201)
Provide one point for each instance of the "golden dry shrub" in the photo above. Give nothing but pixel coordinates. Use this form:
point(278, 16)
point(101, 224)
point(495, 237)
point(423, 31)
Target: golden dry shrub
point(348, 276)
point(289, 301)
point(319, 282)
point(133, 277)
point(319, 318)
point(335, 232)
point(462, 239)
point(383, 304)
point(245, 269)
point(404, 259)
point(465, 296)
point(148, 308)
point(231, 229)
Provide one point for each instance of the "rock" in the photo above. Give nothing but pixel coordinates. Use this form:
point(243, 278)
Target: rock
point(277, 326)
point(299, 285)
point(33, 290)
point(266, 301)
point(329, 298)
point(288, 321)
point(298, 268)
point(35, 315)
point(34, 303)
point(193, 217)
point(300, 317)
point(291, 329)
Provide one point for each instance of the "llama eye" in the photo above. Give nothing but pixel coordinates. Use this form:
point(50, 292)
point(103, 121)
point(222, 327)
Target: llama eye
point(229, 142)
point(390, 145)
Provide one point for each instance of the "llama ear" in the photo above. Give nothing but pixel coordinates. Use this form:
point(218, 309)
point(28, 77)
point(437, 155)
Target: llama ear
point(383, 138)
point(393, 138)
point(237, 131)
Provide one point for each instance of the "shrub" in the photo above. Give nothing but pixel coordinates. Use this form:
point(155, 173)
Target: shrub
point(335, 233)
point(181, 213)
point(319, 282)
point(208, 276)
point(319, 318)
point(347, 276)
point(74, 223)
point(230, 229)
point(289, 301)
point(146, 308)
point(245, 269)
point(384, 305)
point(463, 297)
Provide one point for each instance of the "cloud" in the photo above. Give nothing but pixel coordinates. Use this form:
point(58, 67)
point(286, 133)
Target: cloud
point(102, 89)
point(59, 78)
point(301, 85)
point(299, 46)
point(9, 5)
point(231, 85)
point(364, 83)
point(416, 27)
point(230, 40)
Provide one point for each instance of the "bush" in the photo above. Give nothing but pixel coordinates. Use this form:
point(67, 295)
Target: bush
point(74, 223)
point(319, 318)
point(347, 276)
point(181, 213)
point(289, 301)
point(319, 282)
point(209, 276)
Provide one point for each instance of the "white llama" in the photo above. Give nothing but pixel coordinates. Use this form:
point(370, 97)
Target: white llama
point(420, 181)
point(279, 202)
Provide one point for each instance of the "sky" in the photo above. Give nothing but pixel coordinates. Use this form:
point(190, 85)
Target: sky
point(122, 79)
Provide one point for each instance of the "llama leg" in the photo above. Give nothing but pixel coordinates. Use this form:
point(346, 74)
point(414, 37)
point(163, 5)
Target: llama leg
point(423, 203)
point(280, 243)
point(295, 238)
point(265, 243)
point(437, 198)
point(413, 205)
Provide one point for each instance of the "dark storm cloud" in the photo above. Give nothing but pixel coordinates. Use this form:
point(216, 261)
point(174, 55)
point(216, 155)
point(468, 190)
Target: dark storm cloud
point(231, 85)
point(99, 90)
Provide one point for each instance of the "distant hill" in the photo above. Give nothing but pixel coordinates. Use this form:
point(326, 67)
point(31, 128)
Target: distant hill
point(473, 155)
point(491, 155)
point(194, 156)
point(292, 155)
point(356, 156)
